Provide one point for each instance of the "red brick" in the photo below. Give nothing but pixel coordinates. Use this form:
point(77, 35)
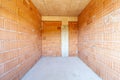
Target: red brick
point(99, 39)
point(11, 64)
point(51, 38)
point(73, 39)
point(19, 36)
point(1, 69)
point(1, 22)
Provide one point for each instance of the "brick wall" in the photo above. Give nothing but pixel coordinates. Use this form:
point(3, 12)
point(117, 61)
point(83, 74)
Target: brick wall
point(51, 38)
point(20, 38)
point(61, 21)
point(99, 38)
point(73, 38)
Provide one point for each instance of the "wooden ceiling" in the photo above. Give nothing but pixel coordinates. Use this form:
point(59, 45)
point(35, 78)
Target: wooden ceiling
point(60, 7)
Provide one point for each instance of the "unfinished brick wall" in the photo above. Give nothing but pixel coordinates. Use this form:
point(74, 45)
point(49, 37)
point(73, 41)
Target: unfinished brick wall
point(51, 38)
point(99, 38)
point(20, 38)
point(73, 38)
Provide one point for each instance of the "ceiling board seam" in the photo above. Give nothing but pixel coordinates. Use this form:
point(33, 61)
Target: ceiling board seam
point(61, 7)
point(69, 7)
point(46, 7)
point(38, 7)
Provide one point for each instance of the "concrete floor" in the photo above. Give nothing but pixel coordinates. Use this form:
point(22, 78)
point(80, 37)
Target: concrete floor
point(60, 68)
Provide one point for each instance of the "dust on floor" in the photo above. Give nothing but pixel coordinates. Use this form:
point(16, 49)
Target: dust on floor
point(60, 68)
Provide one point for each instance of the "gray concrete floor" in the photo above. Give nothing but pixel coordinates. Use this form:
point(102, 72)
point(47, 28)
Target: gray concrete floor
point(60, 68)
